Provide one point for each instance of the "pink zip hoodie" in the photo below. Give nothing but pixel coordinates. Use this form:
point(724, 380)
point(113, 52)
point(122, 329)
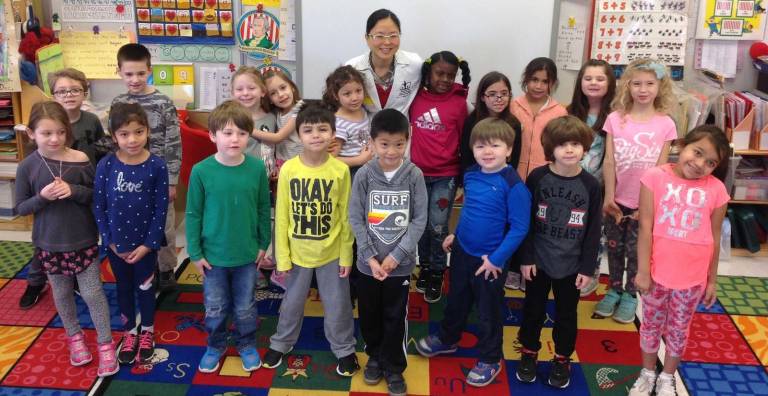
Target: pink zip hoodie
point(532, 153)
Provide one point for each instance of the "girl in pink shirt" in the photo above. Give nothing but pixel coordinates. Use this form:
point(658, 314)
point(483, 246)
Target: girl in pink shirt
point(682, 207)
point(638, 135)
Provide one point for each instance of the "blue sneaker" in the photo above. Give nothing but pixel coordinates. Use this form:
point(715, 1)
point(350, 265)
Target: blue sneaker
point(483, 373)
point(250, 357)
point(432, 346)
point(209, 363)
point(607, 305)
point(625, 313)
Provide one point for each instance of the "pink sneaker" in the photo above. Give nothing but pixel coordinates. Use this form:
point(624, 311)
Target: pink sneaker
point(107, 360)
point(78, 351)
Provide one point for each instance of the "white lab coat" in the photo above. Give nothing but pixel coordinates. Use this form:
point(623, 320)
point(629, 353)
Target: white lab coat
point(405, 85)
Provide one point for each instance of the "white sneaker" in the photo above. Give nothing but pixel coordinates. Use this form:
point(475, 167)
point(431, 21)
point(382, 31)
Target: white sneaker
point(644, 384)
point(665, 385)
point(513, 280)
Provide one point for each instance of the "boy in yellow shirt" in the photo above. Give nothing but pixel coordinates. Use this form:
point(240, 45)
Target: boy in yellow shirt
point(312, 235)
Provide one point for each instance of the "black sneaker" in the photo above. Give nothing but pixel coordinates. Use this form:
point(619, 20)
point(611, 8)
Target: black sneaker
point(434, 290)
point(526, 369)
point(146, 345)
point(421, 281)
point(166, 281)
point(396, 384)
point(128, 348)
point(348, 365)
point(272, 359)
point(560, 375)
point(31, 296)
point(372, 373)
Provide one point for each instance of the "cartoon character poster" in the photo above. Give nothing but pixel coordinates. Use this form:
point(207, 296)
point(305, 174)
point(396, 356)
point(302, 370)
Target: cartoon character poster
point(731, 20)
point(258, 34)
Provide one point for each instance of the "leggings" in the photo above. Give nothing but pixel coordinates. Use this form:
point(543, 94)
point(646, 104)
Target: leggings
point(91, 291)
point(622, 244)
point(668, 312)
point(132, 280)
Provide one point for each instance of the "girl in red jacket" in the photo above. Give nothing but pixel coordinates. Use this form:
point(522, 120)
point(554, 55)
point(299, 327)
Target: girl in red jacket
point(437, 117)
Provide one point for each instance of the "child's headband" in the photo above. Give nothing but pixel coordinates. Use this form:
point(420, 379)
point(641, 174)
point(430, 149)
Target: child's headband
point(657, 68)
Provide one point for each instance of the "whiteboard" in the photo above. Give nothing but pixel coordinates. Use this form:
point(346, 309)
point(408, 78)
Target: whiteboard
point(502, 35)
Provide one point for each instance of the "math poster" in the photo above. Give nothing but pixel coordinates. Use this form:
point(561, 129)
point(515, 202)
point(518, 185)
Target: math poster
point(628, 30)
point(185, 21)
point(731, 20)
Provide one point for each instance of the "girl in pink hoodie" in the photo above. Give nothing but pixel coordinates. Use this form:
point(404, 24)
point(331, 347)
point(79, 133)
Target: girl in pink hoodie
point(437, 117)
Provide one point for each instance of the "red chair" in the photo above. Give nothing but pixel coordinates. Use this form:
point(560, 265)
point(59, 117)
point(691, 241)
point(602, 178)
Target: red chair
point(196, 145)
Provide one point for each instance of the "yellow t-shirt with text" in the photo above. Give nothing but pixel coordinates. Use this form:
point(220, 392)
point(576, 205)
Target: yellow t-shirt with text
point(312, 215)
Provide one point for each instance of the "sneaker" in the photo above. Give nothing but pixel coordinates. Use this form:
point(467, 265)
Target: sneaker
point(348, 365)
point(396, 384)
point(644, 383)
point(483, 373)
point(31, 296)
point(372, 374)
point(421, 281)
point(78, 352)
point(146, 345)
point(589, 288)
point(560, 375)
point(625, 313)
point(273, 358)
point(513, 280)
point(607, 305)
point(209, 363)
point(434, 290)
point(107, 360)
point(250, 357)
point(166, 281)
point(526, 369)
point(432, 346)
point(128, 348)
point(665, 385)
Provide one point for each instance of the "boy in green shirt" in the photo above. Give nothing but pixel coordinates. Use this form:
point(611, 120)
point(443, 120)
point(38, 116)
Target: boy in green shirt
point(228, 230)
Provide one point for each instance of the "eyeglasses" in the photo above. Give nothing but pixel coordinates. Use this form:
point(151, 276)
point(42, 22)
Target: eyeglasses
point(382, 37)
point(63, 93)
point(496, 95)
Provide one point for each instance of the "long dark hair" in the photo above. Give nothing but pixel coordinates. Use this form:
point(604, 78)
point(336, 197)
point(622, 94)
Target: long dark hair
point(481, 111)
point(379, 15)
point(579, 106)
point(718, 139)
point(336, 80)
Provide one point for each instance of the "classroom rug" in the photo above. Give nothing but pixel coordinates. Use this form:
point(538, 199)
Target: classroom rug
point(728, 354)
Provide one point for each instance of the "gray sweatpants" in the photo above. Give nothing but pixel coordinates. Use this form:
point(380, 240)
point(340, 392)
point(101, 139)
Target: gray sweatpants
point(338, 322)
point(92, 292)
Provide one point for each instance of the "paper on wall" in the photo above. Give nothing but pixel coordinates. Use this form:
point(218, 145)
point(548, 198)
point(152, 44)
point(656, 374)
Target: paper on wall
point(718, 56)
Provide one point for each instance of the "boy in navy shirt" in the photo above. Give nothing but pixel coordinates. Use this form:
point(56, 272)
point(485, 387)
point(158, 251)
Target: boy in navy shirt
point(493, 223)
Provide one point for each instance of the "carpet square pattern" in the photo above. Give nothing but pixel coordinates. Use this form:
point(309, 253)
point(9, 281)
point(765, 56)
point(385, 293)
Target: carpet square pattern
point(728, 353)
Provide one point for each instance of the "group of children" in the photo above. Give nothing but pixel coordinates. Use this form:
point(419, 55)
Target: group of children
point(371, 195)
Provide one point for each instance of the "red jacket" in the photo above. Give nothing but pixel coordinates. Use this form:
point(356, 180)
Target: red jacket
point(436, 125)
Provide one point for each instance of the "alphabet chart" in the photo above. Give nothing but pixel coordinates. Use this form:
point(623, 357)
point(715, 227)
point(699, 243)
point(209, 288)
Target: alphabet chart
point(628, 30)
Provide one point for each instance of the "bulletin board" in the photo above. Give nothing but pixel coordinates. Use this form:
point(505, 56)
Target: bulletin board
point(730, 20)
point(628, 30)
point(185, 21)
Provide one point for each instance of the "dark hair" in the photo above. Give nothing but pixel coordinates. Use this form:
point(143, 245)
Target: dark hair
point(390, 121)
point(542, 63)
point(579, 106)
point(133, 52)
point(378, 15)
point(124, 113)
point(447, 57)
point(281, 74)
point(492, 129)
point(481, 109)
point(336, 80)
point(718, 139)
point(315, 112)
point(562, 130)
point(50, 110)
point(230, 111)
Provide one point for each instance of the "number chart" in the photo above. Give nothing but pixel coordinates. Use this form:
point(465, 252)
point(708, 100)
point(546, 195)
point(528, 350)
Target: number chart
point(177, 81)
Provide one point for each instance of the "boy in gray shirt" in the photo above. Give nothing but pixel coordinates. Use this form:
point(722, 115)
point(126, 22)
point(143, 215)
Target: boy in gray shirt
point(388, 213)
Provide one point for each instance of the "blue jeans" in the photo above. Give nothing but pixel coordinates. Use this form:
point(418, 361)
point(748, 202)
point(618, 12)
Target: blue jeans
point(225, 288)
point(441, 190)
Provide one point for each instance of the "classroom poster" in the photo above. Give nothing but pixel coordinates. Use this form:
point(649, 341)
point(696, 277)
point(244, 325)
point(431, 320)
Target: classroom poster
point(93, 54)
point(185, 21)
point(97, 11)
point(731, 20)
point(258, 34)
point(177, 81)
point(628, 30)
point(49, 60)
point(190, 53)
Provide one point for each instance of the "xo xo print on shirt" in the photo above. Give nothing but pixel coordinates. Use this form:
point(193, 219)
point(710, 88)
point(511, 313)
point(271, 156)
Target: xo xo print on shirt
point(311, 208)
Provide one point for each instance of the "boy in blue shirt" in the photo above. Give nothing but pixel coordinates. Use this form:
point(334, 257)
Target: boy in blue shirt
point(494, 221)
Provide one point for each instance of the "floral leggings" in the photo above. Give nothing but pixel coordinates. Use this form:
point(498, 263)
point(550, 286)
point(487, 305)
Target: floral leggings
point(668, 312)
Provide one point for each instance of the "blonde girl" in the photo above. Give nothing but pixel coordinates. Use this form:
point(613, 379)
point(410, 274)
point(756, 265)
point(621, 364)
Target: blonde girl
point(249, 89)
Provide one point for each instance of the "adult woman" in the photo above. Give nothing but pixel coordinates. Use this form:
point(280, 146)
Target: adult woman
point(392, 76)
